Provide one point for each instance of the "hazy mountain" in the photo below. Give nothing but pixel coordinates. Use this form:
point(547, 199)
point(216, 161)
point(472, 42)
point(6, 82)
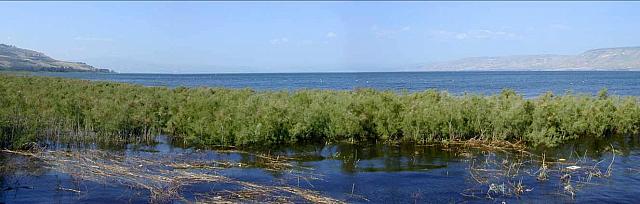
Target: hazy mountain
point(13, 58)
point(622, 58)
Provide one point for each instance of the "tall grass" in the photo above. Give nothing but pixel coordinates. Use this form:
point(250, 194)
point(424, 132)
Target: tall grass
point(33, 108)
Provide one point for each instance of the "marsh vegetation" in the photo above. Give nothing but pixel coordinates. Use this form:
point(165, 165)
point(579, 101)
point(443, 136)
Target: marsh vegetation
point(67, 110)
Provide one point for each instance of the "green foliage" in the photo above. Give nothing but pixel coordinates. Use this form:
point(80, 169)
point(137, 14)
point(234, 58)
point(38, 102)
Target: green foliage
point(39, 108)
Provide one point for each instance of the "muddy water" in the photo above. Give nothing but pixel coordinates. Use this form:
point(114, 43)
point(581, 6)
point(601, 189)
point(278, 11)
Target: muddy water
point(361, 174)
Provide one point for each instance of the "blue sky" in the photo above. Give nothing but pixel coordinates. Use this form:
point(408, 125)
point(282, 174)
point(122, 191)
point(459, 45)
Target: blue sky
point(214, 37)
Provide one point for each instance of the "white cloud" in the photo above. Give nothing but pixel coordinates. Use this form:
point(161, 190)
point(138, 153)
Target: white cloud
point(461, 36)
point(95, 39)
point(277, 41)
point(388, 33)
point(331, 35)
point(473, 34)
point(306, 42)
point(559, 27)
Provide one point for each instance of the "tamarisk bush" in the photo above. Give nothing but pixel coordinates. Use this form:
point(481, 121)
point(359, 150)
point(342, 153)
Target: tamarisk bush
point(33, 108)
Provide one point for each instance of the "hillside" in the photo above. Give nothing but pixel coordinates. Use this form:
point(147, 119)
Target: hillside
point(18, 59)
point(622, 58)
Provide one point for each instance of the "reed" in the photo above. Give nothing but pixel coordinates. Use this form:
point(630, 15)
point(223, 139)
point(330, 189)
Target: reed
point(46, 108)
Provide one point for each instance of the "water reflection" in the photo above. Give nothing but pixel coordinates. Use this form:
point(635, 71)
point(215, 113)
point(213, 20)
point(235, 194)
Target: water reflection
point(594, 147)
point(389, 158)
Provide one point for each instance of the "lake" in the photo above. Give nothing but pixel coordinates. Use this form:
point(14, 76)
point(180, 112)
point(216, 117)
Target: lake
point(528, 83)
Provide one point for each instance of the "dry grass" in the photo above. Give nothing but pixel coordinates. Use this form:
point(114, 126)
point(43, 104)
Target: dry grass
point(165, 178)
point(502, 176)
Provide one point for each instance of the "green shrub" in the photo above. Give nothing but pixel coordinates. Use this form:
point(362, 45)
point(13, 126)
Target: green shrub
point(39, 108)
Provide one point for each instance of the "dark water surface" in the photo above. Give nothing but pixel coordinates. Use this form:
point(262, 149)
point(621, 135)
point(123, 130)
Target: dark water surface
point(362, 174)
point(529, 83)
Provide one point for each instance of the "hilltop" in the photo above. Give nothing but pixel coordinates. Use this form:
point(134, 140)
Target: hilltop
point(18, 59)
point(621, 58)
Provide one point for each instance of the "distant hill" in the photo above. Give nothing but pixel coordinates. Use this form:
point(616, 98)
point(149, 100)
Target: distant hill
point(18, 59)
point(621, 58)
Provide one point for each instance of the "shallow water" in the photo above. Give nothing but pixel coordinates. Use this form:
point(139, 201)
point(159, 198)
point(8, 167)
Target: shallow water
point(528, 83)
point(355, 174)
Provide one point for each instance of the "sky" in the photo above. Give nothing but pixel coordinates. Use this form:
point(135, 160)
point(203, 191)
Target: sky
point(222, 37)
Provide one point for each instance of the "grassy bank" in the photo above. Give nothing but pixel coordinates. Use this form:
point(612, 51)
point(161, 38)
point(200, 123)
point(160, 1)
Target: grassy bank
point(34, 108)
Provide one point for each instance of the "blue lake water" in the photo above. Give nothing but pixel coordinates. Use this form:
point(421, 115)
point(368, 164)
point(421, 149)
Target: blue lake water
point(528, 83)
